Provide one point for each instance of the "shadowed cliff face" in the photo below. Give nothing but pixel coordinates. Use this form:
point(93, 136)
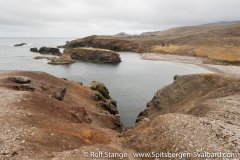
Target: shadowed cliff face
point(93, 55)
point(196, 112)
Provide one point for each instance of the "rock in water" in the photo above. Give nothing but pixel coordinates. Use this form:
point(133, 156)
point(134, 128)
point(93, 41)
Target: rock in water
point(95, 55)
point(34, 49)
point(44, 57)
point(64, 59)
point(20, 44)
point(20, 79)
point(50, 50)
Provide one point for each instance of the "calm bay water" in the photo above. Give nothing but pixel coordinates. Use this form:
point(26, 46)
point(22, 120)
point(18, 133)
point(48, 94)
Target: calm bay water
point(132, 83)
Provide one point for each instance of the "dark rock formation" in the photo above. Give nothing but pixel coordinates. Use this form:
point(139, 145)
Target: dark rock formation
point(25, 83)
point(34, 49)
point(20, 44)
point(93, 55)
point(108, 107)
point(20, 79)
point(50, 50)
point(47, 50)
point(101, 88)
point(24, 87)
point(103, 98)
point(59, 95)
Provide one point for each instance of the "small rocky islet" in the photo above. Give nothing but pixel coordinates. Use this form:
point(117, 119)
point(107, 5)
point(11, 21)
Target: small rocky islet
point(70, 55)
point(20, 44)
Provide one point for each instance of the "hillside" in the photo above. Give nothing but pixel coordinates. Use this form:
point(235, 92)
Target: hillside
point(217, 42)
point(44, 117)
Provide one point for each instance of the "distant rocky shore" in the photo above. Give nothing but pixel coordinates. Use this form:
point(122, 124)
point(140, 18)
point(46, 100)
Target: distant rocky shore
point(217, 43)
point(44, 117)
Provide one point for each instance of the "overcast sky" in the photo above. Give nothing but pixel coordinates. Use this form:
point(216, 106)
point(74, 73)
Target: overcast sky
point(76, 18)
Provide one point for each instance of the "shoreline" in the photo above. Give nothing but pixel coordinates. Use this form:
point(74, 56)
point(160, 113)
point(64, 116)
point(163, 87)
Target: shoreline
point(227, 69)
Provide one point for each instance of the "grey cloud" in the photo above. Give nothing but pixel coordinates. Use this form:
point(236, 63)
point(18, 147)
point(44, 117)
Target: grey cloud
point(85, 17)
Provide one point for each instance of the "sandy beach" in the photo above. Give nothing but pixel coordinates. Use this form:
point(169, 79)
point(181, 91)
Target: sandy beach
point(229, 69)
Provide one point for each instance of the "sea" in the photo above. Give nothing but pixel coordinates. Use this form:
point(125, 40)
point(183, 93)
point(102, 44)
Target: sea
point(132, 83)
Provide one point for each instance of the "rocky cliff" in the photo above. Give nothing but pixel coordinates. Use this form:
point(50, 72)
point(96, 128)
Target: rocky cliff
point(194, 114)
point(95, 55)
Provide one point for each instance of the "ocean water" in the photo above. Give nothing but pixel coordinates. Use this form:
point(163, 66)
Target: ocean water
point(131, 83)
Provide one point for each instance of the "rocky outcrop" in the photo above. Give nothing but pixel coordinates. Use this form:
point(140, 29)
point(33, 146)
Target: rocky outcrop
point(196, 113)
point(47, 50)
point(34, 49)
point(64, 59)
point(107, 103)
point(20, 79)
point(58, 118)
point(93, 55)
point(101, 88)
point(105, 42)
point(20, 44)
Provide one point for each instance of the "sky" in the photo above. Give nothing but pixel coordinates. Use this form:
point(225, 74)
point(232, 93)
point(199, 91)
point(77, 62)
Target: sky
point(78, 18)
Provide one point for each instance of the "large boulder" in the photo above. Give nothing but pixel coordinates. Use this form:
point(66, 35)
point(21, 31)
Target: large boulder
point(20, 79)
point(93, 55)
point(50, 50)
point(34, 49)
point(60, 94)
